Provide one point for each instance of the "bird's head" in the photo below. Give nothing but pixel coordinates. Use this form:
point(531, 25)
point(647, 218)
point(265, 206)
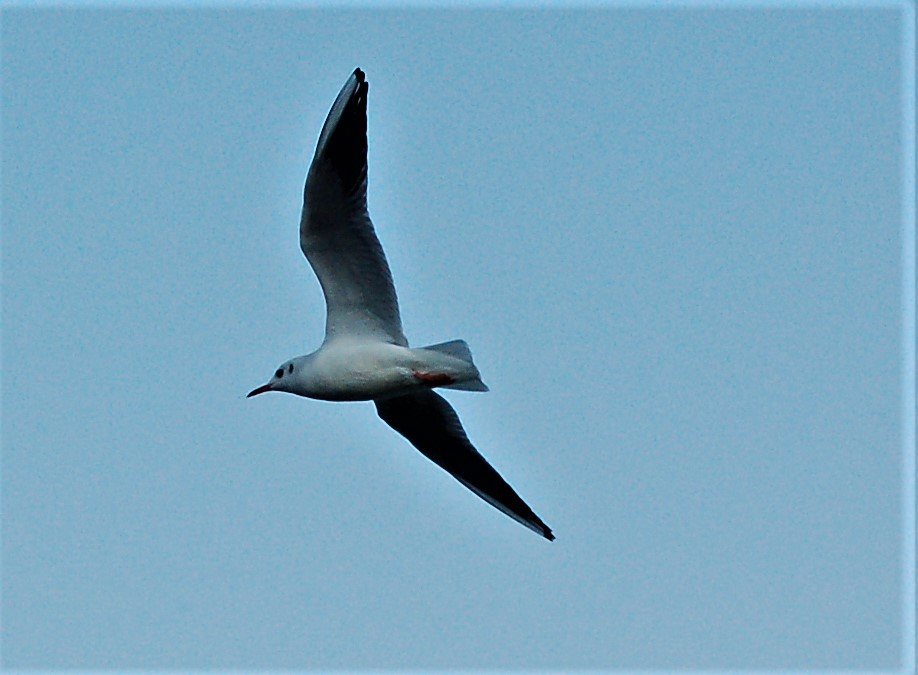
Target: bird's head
point(285, 378)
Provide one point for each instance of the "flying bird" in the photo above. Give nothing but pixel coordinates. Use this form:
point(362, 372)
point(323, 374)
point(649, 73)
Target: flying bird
point(365, 356)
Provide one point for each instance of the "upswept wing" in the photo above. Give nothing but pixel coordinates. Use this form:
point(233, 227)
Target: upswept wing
point(433, 427)
point(336, 234)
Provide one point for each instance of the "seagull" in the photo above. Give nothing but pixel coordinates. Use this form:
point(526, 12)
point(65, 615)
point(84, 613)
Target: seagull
point(365, 356)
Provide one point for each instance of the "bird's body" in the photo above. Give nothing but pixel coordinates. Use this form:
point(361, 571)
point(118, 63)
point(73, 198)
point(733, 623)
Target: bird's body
point(367, 370)
point(365, 355)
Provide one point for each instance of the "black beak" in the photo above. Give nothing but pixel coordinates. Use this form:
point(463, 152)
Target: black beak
point(260, 390)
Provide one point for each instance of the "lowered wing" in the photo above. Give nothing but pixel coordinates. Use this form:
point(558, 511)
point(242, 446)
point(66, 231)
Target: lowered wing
point(433, 427)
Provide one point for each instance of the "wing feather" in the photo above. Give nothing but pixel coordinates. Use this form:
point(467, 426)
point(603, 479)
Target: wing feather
point(432, 426)
point(336, 233)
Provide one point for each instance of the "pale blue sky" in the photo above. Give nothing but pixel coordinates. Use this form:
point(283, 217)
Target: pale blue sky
point(672, 237)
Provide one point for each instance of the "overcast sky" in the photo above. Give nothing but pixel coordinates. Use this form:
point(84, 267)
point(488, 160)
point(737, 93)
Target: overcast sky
point(673, 239)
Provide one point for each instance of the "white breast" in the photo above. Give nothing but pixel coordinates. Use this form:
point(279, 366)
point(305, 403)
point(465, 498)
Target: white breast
point(361, 371)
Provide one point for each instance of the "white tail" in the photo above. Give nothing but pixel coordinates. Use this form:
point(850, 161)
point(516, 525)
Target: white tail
point(458, 349)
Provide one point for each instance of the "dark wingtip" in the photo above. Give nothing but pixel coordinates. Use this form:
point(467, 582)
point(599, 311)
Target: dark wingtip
point(548, 534)
point(359, 74)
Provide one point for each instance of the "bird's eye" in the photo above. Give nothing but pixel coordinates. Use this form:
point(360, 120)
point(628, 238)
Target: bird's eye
point(290, 368)
point(279, 374)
